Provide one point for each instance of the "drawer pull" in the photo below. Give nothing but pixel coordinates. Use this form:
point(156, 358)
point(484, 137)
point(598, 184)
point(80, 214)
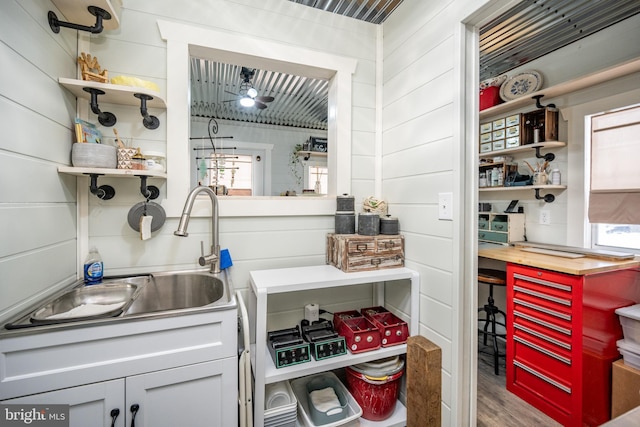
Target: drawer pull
point(542, 322)
point(543, 350)
point(542, 377)
point(559, 343)
point(542, 282)
point(543, 296)
point(361, 247)
point(562, 316)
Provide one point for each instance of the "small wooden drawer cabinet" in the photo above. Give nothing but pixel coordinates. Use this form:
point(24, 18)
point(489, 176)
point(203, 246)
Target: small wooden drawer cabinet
point(500, 227)
point(352, 252)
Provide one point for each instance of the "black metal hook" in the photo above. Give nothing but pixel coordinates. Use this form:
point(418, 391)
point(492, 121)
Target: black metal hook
point(104, 192)
point(548, 198)
point(539, 105)
point(105, 118)
point(150, 122)
point(99, 13)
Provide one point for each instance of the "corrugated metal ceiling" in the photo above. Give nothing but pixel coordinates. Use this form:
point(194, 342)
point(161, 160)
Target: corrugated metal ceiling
point(531, 29)
point(534, 28)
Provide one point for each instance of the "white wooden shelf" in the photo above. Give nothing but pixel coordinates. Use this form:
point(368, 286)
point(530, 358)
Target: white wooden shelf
point(114, 94)
point(322, 277)
point(521, 148)
point(274, 375)
point(308, 154)
point(76, 11)
point(524, 187)
point(397, 419)
point(566, 87)
point(117, 173)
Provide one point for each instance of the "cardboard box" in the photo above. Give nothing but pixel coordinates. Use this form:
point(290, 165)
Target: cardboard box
point(625, 391)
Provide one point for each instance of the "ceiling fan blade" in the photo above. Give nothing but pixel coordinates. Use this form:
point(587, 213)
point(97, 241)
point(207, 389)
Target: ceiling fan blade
point(264, 98)
point(260, 106)
point(236, 94)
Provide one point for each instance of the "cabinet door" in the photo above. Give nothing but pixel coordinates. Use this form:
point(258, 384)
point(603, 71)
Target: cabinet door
point(89, 405)
point(196, 396)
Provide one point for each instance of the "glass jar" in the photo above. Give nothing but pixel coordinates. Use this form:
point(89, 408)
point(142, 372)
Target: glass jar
point(155, 161)
point(138, 162)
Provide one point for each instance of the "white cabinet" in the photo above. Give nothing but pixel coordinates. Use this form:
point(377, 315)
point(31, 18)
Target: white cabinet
point(269, 283)
point(90, 405)
point(181, 370)
point(191, 395)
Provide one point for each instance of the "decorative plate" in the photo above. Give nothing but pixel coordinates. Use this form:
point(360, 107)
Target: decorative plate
point(520, 85)
point(493, 81)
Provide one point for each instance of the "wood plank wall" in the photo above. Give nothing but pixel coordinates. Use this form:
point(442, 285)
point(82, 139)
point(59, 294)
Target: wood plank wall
point(37, 206)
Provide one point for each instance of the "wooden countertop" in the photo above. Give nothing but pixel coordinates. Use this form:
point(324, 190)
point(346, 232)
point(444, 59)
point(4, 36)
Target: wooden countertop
point(575, 266)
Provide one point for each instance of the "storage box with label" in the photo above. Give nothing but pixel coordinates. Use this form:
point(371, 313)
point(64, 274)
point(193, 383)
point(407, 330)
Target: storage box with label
point(351, 253)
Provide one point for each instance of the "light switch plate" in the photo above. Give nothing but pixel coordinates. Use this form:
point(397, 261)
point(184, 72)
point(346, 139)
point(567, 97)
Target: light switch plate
point(445, 206)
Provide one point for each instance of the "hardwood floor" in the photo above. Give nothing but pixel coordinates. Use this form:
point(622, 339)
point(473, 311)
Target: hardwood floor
point(496, 406)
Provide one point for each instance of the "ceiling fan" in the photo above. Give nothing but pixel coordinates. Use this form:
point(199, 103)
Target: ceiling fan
point(248, 94)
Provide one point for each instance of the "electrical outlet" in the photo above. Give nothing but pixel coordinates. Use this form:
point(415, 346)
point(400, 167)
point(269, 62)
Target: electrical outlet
point(545, 217)
point(445, 206)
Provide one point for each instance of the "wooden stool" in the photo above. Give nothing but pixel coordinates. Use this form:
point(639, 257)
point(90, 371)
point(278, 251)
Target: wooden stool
point(492, 278)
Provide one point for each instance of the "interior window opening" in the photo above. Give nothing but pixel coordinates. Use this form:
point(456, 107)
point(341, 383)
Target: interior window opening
point(228, 174)
point(316, 179)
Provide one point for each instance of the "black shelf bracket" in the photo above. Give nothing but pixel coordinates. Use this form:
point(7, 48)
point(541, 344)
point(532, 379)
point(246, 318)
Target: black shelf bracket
point(150, 192)
point(104, 192)
point(150, 122)
point(105, 118)
point(539, 105)
point(99, 13)
point(549, 157)
point(548, 198)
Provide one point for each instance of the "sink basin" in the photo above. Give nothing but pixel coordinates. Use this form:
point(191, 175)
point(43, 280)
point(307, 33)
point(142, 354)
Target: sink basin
point(179, 291)
point(133, 297)
point(88, 302)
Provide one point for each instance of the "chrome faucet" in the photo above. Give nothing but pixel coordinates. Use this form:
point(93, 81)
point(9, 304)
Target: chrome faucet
point(214, 257)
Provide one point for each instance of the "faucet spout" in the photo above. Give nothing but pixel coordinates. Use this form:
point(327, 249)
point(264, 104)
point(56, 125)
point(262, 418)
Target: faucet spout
point(214, 257)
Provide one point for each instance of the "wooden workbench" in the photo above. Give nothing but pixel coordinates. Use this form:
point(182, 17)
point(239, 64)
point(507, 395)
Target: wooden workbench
point(576, 266)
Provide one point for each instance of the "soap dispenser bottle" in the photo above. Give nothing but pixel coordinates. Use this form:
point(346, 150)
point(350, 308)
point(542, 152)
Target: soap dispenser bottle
point(93, 267)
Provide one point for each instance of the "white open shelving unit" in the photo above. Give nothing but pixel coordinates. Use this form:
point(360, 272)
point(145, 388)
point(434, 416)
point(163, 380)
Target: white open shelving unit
point(299, 279)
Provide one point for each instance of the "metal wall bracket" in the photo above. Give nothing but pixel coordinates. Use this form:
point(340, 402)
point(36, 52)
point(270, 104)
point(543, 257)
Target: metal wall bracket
point(548, 157)
point(104, 192)
point(150, 122)
point(150, 192)
point(548, 198)
point(539, 105)
point(105, 118)
point(99, 13)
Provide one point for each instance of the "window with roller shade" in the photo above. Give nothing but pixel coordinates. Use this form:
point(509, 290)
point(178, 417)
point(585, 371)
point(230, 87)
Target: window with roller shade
point(614, 187)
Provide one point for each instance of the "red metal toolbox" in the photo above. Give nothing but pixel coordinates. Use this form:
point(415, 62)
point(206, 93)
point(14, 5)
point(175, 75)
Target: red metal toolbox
point(393, 330)
point(342, 315)
point(361, 335)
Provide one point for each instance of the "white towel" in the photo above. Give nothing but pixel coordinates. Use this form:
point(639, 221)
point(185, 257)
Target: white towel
point(325, 399)
point(86, 310)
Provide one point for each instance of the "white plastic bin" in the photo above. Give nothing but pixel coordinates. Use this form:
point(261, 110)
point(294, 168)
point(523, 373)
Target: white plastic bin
point(280, 405)
point(630, 353)
point(300, 390)
point(630, 321)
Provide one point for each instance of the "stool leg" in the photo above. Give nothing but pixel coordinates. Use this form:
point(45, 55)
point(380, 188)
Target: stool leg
point(496, 355)
point(487, 321)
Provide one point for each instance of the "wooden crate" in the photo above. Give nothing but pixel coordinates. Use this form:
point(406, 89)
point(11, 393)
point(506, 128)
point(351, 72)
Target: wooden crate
point(352, 252)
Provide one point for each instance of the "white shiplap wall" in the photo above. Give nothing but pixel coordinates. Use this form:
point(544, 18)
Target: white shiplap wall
point(421, 157)
point(37, 206)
